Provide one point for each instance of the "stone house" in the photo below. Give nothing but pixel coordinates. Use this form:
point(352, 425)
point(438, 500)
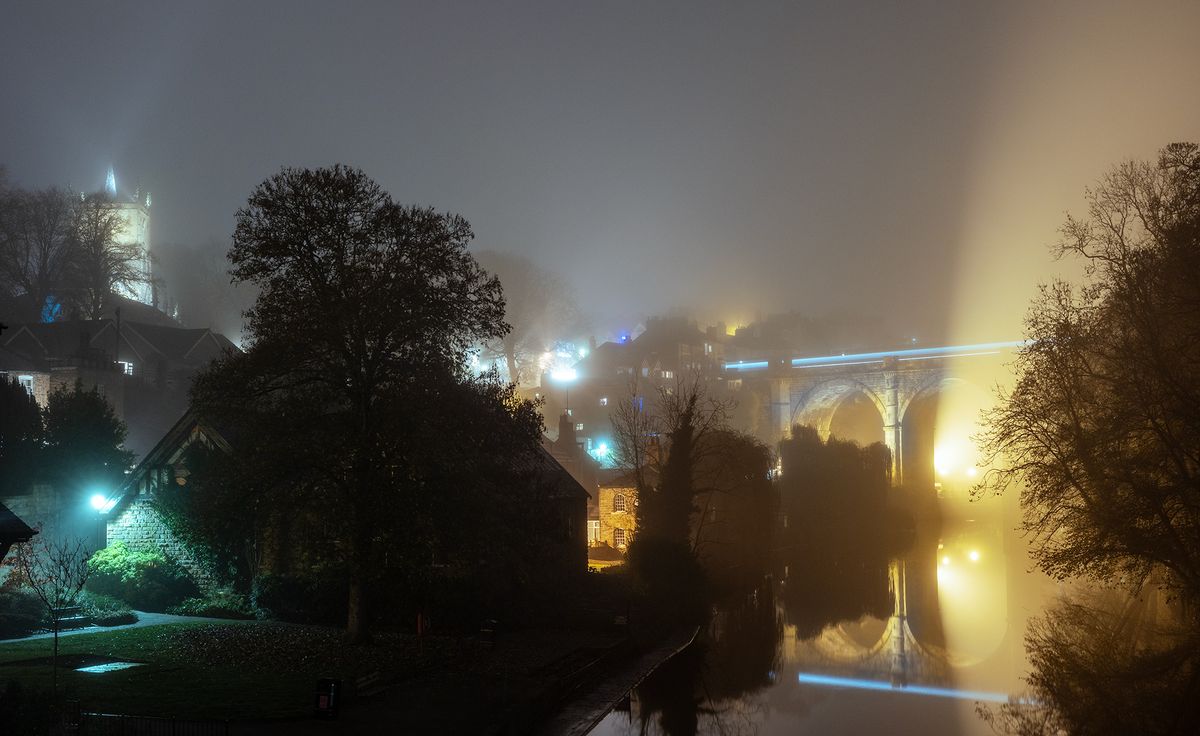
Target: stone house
point(616, 503)
point(133, 518)
point(143, 369)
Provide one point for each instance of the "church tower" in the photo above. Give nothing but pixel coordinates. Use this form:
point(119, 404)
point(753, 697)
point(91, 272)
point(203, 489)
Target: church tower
point(134, 214)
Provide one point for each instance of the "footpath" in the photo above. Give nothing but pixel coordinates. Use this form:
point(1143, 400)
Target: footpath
point(583, 713)
point(568, 696)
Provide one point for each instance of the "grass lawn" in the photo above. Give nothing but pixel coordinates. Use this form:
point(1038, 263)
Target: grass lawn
point(263, 670)
point(206, 670)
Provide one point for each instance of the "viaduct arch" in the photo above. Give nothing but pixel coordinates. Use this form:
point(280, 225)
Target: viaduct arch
point(812, 390)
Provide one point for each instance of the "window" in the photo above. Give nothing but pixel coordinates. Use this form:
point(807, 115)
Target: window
point(578, 426)
point(619, 502)
point(126, 367)
point(26, 383)
point(668, 374)
point(619, 537)
point(593, 531)
point(603, 401)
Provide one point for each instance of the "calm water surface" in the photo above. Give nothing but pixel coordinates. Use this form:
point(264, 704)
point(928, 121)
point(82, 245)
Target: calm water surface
point(855, 638)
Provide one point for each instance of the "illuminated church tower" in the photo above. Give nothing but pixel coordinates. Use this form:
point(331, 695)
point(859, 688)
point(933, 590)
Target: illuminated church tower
point(134, 213)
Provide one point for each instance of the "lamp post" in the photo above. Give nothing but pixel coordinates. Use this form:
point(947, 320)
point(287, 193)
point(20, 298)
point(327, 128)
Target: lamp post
point(101, 503)
point(565, 377)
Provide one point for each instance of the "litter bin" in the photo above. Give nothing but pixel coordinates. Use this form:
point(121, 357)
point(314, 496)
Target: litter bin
point(329, 696)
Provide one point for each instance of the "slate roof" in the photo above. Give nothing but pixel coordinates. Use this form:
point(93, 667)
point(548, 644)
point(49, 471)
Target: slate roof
point(12, 529)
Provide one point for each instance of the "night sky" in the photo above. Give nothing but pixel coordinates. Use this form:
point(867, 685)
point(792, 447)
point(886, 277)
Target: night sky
point(906, 161)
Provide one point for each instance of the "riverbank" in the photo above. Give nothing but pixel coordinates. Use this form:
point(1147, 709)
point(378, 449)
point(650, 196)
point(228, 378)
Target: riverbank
point(586, 710)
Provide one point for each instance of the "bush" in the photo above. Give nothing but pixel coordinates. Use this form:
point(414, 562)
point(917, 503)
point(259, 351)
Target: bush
point(306, 600)
point(104, 610)
point(143, 577)
point(218, 604)
point(669, 587)
point(21, 612)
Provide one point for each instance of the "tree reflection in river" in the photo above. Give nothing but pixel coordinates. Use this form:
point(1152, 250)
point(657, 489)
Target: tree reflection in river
point(1107, 661)
point(710, 686)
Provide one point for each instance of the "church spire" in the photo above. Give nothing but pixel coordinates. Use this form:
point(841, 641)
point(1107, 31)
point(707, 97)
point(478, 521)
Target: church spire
point(110, 182)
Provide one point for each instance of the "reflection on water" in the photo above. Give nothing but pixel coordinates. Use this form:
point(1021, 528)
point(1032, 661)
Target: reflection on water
point(898, 624)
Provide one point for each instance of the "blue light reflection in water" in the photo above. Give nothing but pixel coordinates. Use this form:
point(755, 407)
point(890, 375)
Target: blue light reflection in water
point(941, 692)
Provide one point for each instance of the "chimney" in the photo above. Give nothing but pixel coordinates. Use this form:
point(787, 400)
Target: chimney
point(566, 431)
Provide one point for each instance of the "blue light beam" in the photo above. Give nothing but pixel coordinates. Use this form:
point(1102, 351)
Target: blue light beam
point(939, 692)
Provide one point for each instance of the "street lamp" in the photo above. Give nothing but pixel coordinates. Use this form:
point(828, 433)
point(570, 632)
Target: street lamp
point(101, 504)
point(565, 376)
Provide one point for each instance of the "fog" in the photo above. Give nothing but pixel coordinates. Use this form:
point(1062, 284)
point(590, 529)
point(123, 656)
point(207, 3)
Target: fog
point(909, 162)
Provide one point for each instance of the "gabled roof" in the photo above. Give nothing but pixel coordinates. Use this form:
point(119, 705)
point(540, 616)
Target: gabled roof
point(54, 340)
point(13, 362)
point(561, 483)
point(12, 529)
point(39, 342)
point(164, 451)
point(622, 478)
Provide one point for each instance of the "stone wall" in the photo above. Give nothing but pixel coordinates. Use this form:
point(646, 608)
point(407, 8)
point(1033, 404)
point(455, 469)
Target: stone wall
point(139, 525)
point(611, 519)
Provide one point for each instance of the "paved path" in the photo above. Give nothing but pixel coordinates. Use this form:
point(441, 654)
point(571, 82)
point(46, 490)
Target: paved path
point(583, 713)
point(144, 619)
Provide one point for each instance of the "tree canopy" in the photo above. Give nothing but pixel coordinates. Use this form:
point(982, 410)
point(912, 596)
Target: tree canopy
point(356, 363)
point(1102, 429)
point(83, 440)
point(62, 251)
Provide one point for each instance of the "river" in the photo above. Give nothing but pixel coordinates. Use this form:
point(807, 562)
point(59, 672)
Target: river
point(860, 636)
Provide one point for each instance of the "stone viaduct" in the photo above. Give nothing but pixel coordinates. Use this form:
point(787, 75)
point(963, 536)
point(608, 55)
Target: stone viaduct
point(811, 390)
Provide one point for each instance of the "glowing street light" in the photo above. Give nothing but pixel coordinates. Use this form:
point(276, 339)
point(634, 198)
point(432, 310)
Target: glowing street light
point(564, 375)
point(102, 503)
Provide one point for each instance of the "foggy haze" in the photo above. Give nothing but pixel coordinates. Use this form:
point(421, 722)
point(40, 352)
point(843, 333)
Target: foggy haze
point(904, 161)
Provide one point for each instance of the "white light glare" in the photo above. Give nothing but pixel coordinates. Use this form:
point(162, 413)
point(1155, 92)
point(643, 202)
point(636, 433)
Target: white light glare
point(564, 374)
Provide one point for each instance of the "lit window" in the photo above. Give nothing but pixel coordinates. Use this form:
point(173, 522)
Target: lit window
point(26, 383)
point(578, 426)
point(668, 374)
point(619, 502)
point(603, 401)
point(619, 537)
point(126, 367)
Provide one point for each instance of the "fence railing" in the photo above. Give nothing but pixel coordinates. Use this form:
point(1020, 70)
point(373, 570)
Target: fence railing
point(112, 724)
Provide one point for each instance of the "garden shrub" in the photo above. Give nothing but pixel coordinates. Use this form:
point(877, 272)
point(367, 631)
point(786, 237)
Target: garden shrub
point(105, 610)
point(21, 612)
point(143, 577)
point(218, 604)
point(306, 600)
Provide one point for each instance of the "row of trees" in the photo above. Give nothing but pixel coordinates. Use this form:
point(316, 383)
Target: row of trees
point(61, 250)
point(74, 443)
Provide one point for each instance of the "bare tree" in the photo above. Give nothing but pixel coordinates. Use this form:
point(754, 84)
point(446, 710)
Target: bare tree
point(56, 573)
point(101, 263)
point(539, 307)
point(665, 444)
point(37, 245)
point(1102, 428)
